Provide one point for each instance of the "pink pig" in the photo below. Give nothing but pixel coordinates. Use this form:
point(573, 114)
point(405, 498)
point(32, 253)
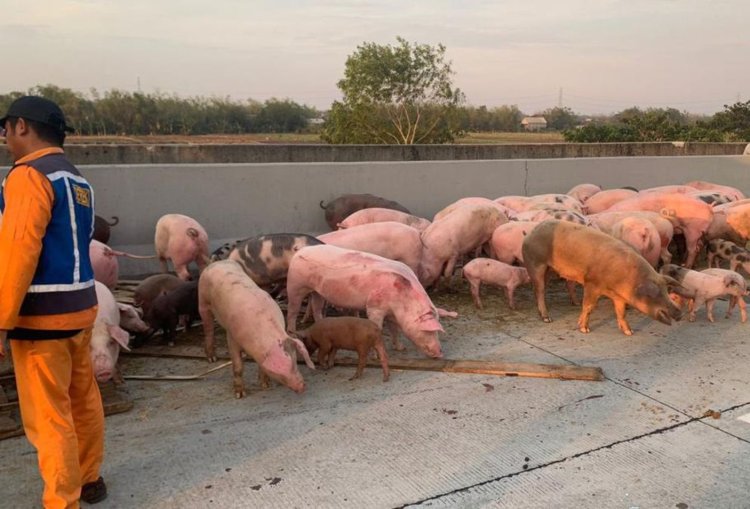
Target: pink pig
point(181, 239)
point(641, 235)
point(254, 323)
point(693, 217)
point(603, 200)
point(732, 192)
point(104, 262)
point(521, 203)
point(582, 192)
point(107, 337)
point(356, 280)
point(473, 200)
point(395, 241)
point(380, 215)
point(507, 239)
point(605, 221)
point(458, 233)
point(495, 273)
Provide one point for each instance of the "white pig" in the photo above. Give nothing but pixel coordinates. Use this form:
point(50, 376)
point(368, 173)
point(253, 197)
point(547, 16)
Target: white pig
point(107, 337)
point(183, 240)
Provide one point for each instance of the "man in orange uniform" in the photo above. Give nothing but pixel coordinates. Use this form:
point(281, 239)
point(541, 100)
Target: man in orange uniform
point(48, 302)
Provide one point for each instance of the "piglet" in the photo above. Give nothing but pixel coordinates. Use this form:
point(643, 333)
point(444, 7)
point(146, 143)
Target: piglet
point(131, 319)
point(700, 287)
point(495, 273)
point(735, 292)
point(183, 240)
point(254, 323)
point(345, 333)
point(107, 337)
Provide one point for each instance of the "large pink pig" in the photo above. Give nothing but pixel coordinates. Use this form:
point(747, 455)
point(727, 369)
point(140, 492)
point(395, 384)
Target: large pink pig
point(356, 280)
point(458, 233)
point(669, 189)
point(183, 240)
point(104, 262)
point(605, 221)
point(380, 215)
point(603, 200)
point(107, 337)
point(391, 240)
point(641, 235)
point(582, 192)
point(732, 192)
point(254, 323)
point(521, 203)
point(473, 200)
point(693, 217)
point(507, 239)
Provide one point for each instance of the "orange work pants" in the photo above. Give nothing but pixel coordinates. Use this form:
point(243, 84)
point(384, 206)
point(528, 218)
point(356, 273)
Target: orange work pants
point(62, 413)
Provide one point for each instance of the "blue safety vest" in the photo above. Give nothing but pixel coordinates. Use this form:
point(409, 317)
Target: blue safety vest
point(64, 278)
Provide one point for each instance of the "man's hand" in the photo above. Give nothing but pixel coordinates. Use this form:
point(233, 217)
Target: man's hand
point(3, 335)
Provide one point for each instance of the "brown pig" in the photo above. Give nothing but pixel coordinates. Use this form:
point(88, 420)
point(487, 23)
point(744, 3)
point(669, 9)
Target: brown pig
point(603, 265)
point(495, 273)
point(254, 323)
point(345, 333)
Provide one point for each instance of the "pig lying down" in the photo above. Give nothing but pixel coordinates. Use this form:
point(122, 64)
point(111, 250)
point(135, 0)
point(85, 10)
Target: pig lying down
point(355, 280)
point(345, 333)
point(254, 324)
point(604, 266)
point(107, 337)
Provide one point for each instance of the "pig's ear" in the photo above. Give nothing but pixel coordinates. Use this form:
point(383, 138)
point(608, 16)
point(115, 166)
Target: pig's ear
point(672, 282)
point(429, 323)
point(119, 335)
point(300, 346)
point(442, 313)
point(730, 281)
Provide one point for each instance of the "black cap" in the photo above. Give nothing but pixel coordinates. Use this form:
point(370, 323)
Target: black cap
point(38, 109)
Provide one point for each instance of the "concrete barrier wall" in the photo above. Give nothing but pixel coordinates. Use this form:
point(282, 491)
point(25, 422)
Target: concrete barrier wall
point(240, 200)
point(307, 153)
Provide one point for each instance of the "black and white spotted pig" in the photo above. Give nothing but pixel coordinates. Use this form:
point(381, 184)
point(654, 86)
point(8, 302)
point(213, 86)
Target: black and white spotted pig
point(719, 249)
point(266, 258)
point(223, 251)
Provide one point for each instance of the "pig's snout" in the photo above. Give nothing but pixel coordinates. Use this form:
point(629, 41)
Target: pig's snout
point(299, 388)
point(103, 376)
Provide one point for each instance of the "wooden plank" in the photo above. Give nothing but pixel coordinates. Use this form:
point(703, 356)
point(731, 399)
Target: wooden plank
point(488, 367)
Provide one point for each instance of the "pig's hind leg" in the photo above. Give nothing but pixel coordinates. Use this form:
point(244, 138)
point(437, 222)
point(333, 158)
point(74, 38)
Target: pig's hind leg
point(590, 298)
point(539, 278)
point(207, 317)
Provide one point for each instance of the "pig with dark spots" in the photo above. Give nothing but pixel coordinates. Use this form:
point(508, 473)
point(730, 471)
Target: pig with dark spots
point(182, 240)
point(713, 198)
point(702, 287)
point(737, 256)
point(603, 265)
point(222, 252)
point(167, 308)
point(522, 203)
point(151, 287)
point(391, 240)
point(254, 324)
point(266, 258)
point(692, 216)
point(458, 233)
point(102, 228)
point(543, 213)
point(380, 215)
point(362, 281)
point(342, 207)
point(734, 193)
point(345, 333)
point(669, 189)
point(494, 273)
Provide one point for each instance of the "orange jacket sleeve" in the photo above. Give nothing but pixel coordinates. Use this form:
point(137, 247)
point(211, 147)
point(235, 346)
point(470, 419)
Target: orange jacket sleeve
point(28, 209)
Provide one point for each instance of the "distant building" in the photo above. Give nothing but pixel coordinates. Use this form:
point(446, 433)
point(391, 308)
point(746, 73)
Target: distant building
point(534, 123)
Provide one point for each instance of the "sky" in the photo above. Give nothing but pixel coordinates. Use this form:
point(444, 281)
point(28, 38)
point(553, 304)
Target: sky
point(593, 56)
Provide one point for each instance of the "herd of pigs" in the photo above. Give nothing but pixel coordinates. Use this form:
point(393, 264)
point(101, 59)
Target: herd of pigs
point(636, 247)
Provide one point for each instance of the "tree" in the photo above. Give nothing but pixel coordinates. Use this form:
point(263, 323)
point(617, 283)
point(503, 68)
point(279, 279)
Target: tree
point(734, 120)
point(399, 94)
point(560, 118)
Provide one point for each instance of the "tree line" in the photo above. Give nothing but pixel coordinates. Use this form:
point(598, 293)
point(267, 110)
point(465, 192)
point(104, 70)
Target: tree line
point(118, 112)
